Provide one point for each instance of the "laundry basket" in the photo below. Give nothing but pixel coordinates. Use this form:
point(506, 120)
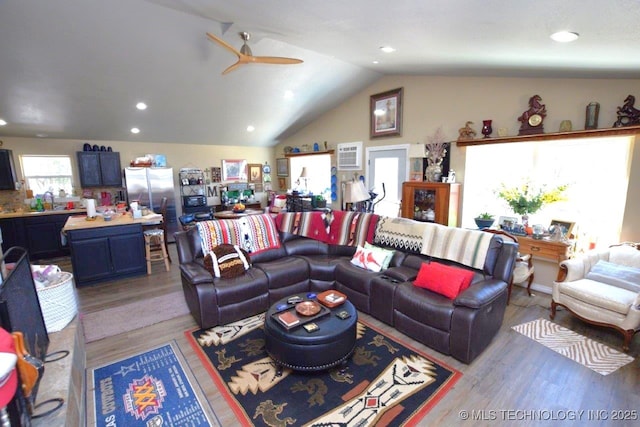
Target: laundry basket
point(58, 302)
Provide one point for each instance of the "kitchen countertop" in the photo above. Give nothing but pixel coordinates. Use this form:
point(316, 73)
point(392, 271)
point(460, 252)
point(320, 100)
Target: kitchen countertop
point(25, 214)
point(79, 222)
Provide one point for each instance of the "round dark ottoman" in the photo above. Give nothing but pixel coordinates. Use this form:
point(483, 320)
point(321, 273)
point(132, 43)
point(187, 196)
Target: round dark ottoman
point(300, 350)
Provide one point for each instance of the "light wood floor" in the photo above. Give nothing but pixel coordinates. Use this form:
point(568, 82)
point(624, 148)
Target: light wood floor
point(515, 382)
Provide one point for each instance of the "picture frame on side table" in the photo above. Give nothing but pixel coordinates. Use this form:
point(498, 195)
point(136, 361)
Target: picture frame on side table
point(255, 173)
point(282, 167)
point(386, 113)
point(507, 223)
point(234, 170)
point(567, 226)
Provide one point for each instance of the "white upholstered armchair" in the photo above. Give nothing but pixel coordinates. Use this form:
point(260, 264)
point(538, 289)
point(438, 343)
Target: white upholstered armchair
point(602, 287)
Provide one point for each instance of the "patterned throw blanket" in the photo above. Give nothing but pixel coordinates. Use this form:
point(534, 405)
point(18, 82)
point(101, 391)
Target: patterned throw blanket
point(333, 227)
point(314, 225)
point(400, 233)
point(352, 228)
point(253, 233)
point(466, 247)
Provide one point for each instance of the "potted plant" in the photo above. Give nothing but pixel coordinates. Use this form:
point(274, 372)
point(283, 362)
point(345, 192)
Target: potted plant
point(527, 199)
point(484, 220)
point(318, 201)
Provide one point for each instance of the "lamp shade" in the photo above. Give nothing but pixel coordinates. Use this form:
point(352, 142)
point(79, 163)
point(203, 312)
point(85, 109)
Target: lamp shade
point(303, 174)
point(355, 192)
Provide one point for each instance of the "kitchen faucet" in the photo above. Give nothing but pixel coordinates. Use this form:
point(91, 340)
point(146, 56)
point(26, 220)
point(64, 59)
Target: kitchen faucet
point(44, 198)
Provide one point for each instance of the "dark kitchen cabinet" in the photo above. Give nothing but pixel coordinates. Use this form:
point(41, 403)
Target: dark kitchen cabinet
point(13, 234)
point(7, 171)
point(107, 253)
point(44, 238)
point(99, 169)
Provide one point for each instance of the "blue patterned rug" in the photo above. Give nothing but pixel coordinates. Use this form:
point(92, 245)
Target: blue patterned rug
point(385, 382)
point(148, 389)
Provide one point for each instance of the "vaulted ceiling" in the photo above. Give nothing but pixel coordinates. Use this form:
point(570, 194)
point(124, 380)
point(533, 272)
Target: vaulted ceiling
point(76, 68)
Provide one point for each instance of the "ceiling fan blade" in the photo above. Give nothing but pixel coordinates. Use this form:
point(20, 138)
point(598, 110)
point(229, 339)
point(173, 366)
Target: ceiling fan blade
point(274, 60)
point(232, 67)
point(224, 44)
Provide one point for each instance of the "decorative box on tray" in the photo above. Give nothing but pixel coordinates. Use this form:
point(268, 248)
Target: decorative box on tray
point(332, 298)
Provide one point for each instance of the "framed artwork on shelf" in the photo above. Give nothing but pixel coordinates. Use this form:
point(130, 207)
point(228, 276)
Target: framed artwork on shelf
point(282, 167)
point(255, 173)
point(386, 113)
point(566, 226)
point(234, 170)
point(216, 174)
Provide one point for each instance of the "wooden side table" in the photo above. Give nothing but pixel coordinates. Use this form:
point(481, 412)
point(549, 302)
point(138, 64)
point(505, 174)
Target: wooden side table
point(544, 249)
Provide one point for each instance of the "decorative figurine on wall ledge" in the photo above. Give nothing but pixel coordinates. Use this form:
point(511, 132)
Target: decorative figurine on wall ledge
point(466, 133)
point(532, 119)
point(591, 115)
point(628, 115)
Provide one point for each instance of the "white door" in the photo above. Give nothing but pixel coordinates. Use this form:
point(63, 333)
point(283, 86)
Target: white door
point(388, 166)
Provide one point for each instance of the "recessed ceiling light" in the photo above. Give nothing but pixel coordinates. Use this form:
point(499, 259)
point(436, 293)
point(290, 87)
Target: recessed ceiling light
point(135, 130)
point(250, 128)
point(141, 106)
point(376, 62)
point(387, 49)
point(564, 36)
point(288, 94)
point(42, 135)
point(2, 122)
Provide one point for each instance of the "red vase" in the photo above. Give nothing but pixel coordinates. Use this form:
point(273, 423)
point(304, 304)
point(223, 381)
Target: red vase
point(486, 128)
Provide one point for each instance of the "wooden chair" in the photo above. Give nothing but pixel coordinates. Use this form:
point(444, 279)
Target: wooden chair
point(162, 225)
point(523, 270)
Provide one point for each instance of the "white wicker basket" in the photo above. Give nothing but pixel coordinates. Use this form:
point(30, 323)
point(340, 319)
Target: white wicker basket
point(58, 302)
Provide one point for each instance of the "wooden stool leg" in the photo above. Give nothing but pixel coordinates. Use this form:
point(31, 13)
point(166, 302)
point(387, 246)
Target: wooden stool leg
point(147, 248)
point(165, 254)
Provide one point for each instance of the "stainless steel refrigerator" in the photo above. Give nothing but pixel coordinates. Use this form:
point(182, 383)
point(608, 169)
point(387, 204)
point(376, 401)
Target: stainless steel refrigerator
point(148, 186)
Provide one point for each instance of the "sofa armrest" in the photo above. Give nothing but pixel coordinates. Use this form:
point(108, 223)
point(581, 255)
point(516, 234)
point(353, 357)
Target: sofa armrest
point(481, 293)
point(195, 273)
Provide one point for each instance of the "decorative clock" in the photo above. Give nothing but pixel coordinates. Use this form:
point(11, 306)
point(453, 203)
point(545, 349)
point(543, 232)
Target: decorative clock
point(532, 119)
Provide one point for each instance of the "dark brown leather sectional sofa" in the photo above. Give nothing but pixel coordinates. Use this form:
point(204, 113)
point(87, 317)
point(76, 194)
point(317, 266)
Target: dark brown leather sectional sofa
point(462, 327)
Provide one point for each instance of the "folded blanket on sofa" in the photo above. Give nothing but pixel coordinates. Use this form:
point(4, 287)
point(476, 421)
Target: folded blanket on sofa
point(352, 228)
point(466, 247)
point(399, 233)
point(253, 233)
point(314, 225)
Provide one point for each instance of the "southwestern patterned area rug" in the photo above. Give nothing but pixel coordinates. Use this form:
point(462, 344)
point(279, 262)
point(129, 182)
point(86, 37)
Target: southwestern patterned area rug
point(385, 383)
point(589, 353)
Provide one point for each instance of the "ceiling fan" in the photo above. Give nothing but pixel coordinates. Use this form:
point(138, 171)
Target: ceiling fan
point(245, 56)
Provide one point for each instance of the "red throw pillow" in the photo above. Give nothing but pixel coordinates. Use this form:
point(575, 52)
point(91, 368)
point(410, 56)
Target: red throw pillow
point(443, 279)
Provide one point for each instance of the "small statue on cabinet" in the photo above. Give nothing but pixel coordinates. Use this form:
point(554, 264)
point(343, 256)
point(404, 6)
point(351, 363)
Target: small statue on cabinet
point(466, 133)
point(532, 118)
point(628, 115)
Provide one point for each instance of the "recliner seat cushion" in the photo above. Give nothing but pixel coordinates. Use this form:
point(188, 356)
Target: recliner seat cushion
point(424, 306)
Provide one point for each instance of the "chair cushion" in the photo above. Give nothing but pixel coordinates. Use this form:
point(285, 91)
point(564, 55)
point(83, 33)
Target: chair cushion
point(599, 294)
point(443, 279)
point(616, 275)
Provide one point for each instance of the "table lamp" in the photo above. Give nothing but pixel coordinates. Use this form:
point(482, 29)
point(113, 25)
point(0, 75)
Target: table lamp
point(303, 175)
point(354, 192)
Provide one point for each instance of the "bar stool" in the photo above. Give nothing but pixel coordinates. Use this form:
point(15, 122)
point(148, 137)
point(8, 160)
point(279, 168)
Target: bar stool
point(155, 249)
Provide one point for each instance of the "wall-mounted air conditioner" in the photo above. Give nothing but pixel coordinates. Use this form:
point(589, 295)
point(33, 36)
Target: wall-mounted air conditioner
point(350, 156)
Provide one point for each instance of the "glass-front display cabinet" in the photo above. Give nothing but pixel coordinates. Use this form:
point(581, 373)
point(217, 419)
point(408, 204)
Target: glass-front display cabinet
point(431, 202)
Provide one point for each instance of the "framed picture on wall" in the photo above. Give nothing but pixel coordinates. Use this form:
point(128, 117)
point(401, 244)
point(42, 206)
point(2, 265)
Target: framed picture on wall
point(216, 174)
point(282, 167)
point(386, 113)
point(255, 173)
point(234, 170)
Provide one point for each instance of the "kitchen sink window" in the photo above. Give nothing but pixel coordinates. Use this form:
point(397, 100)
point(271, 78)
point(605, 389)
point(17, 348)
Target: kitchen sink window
point(47, 173)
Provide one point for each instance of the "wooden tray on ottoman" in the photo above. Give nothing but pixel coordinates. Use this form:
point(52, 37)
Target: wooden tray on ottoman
point(331, 298)
point(290, 313)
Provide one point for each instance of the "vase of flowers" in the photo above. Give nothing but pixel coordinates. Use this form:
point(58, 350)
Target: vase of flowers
point(527, 199)
point(436, 150)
